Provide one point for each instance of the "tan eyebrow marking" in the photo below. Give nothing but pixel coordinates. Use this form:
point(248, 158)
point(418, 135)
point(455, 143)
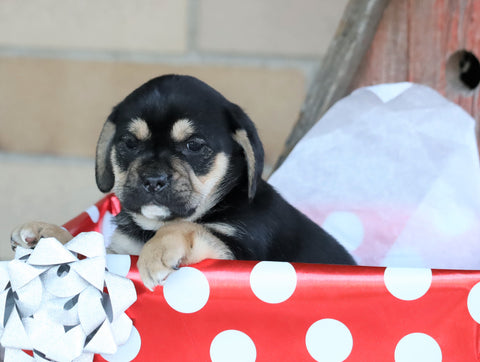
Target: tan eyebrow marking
point(140, 129)
point(182, 130)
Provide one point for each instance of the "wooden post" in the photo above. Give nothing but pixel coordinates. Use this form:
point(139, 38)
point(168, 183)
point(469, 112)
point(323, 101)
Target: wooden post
point(339, 66)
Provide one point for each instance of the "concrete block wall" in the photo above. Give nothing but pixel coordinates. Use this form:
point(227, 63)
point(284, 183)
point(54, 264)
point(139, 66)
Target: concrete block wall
point(65, 63)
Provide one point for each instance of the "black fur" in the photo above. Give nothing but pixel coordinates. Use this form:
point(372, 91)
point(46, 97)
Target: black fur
point(272, 229)
point(266, 226)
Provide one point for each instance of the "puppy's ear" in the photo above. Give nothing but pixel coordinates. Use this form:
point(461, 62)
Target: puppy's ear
point(245, 134)
point(103, 164)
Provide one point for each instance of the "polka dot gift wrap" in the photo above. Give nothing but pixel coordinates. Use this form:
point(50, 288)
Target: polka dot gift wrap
point(271, 311)
point(276, 311)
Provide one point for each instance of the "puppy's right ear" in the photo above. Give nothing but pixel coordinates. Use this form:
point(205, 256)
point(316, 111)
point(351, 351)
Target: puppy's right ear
point(103, 164)
point(245, 134)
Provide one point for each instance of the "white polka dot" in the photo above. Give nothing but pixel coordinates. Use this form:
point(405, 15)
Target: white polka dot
point(403, 256)
point(273, 282)
point(128, 351)
point(118, 264)
point(329, 340)
point(408, 283)
point(232, 346)
point(186, 290)
point(93, 212)
point(418, 347)
point(346, 227)
point(473, 303)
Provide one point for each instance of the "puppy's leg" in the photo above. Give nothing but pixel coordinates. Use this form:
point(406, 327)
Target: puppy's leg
point(28, 235)
point(176, 243)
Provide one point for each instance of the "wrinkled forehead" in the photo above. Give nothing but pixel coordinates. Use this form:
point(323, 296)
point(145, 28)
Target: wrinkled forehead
point(179, 130)
point(179, 112)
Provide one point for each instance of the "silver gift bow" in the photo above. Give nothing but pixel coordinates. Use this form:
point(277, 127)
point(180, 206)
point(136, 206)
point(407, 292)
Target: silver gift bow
point(61, 307)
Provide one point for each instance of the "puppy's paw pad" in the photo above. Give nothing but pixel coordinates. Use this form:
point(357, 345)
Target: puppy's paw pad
point(164, 253)
point(156, 265)
point(153, 272)
point(172, 258)
point(26, 236)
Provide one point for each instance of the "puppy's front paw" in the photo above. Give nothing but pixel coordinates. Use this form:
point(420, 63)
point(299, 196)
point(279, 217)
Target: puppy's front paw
point(28, 235)
point(163, 254)
point(174, 244)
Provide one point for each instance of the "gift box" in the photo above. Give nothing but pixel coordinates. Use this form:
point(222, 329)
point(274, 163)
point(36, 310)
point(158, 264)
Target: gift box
point(277, 311)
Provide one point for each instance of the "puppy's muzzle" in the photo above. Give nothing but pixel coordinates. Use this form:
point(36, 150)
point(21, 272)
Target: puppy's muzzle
point(155, 184)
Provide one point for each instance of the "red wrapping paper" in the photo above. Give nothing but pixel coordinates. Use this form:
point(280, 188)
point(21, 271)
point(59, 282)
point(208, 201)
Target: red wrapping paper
point(323, 312)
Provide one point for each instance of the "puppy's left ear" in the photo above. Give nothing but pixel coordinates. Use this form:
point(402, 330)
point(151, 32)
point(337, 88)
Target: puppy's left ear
point(245, 134)
point(103, 164)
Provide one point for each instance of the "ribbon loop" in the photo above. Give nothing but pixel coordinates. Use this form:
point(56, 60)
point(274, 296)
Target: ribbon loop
point(63, 307)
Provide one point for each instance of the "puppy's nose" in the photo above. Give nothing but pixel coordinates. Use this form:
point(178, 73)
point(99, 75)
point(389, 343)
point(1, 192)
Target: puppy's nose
point(156, 183)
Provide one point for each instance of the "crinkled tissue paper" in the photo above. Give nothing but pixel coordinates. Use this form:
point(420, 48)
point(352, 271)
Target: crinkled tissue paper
point(392, 171)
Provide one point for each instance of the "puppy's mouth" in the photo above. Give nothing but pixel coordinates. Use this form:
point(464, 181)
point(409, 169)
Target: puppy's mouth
point(156, 212)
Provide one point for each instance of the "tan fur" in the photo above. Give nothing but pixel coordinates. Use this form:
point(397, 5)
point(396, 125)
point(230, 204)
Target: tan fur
point(181, 171)
point(123, 244)
point(176, 243)
point(222, 228)
point(28, 235)
point(206, 186)
point(182, 130)
point(241, 138)
point(106, 136)
point(141, 220)
point(120, 176)
point(139, 128)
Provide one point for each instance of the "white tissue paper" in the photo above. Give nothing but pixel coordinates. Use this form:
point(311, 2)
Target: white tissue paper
point(392, 171)
point(61, 307)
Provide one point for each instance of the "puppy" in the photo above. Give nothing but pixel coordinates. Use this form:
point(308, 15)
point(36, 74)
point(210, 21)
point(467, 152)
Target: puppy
point(186, 165)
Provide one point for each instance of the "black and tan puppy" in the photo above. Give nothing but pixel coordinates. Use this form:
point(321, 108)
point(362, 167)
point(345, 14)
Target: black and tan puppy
point(186, 165)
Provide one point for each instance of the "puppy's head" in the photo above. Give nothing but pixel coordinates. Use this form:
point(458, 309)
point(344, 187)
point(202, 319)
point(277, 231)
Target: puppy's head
point(174, 148)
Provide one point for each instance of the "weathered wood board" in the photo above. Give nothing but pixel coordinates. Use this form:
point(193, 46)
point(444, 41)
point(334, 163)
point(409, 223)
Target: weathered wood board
point(425, 41)
point(431, 42)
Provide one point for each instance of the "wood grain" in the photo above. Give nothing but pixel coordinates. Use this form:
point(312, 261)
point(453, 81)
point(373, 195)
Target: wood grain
point(414, 42)
point(339, 66)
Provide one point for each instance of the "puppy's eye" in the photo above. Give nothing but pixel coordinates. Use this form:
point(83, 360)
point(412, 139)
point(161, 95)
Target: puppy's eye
point(195, 145)
point(130, 142)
